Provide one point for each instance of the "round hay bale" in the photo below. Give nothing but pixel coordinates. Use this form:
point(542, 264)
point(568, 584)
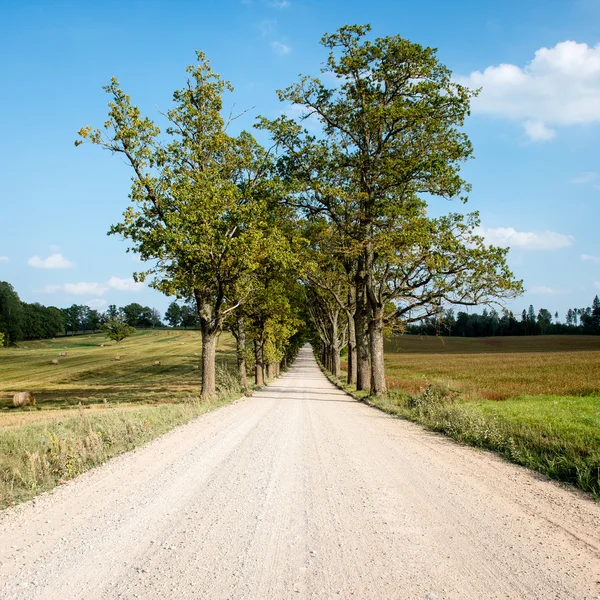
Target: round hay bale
point(63, 354)
point(195, 354)
point(54, 361)
point(157, 363)
point(195, 367)
point(117, 358)
point(23, 399)
point(101, 345)
point(182, 343)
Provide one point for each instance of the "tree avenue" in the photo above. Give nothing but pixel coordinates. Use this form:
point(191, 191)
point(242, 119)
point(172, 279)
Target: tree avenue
point(389, 140)
point(196, 204)
point(329, 236)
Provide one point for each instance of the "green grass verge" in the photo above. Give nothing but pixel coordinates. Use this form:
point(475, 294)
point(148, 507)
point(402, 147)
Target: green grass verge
point(38, 456)
point(558, 436)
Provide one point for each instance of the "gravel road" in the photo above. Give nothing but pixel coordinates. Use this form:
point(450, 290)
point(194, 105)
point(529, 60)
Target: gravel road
point(300, 492)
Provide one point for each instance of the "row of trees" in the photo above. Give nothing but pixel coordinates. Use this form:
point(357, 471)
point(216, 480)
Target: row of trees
point(22, 321)
point(492, 323)
point(329, 225)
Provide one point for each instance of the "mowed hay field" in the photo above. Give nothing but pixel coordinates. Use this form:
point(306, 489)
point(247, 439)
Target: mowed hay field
point(90, 375)
point(536, 400)
point(91, 407)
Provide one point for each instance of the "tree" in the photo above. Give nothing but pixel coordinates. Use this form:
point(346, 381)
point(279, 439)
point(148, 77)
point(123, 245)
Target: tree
point(117, 330)
point(189, 316)
point(133, 314)
point(112, 312)
point(194, 206)
point(1, 339)
point(11, 313)
point(544, 320)
point(390, 139)
point(93, 319)
point(173, 314)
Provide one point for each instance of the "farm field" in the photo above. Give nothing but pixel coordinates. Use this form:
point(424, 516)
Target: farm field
point(91, 407)
point(90, 375)
point(496, 368)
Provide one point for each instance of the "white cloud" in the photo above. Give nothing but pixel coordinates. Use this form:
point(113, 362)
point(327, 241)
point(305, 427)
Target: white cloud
point(590, 258)
point(267, 27)
point(526, 240)
point(54, 261)
point(79, 289)
point(124, 285)
point(538, 132)
point(279, 3)
point(559, 86)
point(585, 178)
point(281, 48)
point(93, 288)
point(98, 303)
point(3, 259)
point(597, 285)
point(544, 290)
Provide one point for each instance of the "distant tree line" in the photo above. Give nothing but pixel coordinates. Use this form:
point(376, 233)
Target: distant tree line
point(23, 321)
point(491, 323)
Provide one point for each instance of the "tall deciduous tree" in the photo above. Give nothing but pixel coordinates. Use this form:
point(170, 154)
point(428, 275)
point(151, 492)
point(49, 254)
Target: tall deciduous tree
point(390, 139)
point(193, 205)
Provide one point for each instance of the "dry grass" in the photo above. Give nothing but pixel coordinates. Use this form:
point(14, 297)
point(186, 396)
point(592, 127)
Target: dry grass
point(496, 368)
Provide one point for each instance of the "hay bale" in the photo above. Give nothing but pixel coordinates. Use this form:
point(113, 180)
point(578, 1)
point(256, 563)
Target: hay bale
point(195, 367)
point(54, 361)
point(182, 343)
point(195, 354)
point(21, 399)
point(117, 358)
point(63, 354)
point(157, 363)
point(101, 345)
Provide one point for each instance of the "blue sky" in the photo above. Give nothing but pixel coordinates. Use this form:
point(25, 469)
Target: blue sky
point(535, 127)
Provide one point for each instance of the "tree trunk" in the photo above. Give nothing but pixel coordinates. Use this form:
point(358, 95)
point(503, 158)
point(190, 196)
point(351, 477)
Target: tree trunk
point(241, 348)
point(258, 363)
point(361, 318)
point(378, 385)
point(271, 371)
point(351, 379)
point(335, 361)
point(209, 348)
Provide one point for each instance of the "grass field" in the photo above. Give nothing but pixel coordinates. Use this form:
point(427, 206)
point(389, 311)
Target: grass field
point(536, 400)
point(91, 407)
point(89, 373)
point(496, 368)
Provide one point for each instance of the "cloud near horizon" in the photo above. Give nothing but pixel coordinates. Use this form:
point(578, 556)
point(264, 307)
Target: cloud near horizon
point(3, 259)
point(93, 288)
point(525, 240)
point(54, 261)
point(545, 290)
point(560, 86)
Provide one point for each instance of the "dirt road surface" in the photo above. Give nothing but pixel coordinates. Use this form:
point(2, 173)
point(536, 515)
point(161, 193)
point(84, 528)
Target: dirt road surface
point(300, 492)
